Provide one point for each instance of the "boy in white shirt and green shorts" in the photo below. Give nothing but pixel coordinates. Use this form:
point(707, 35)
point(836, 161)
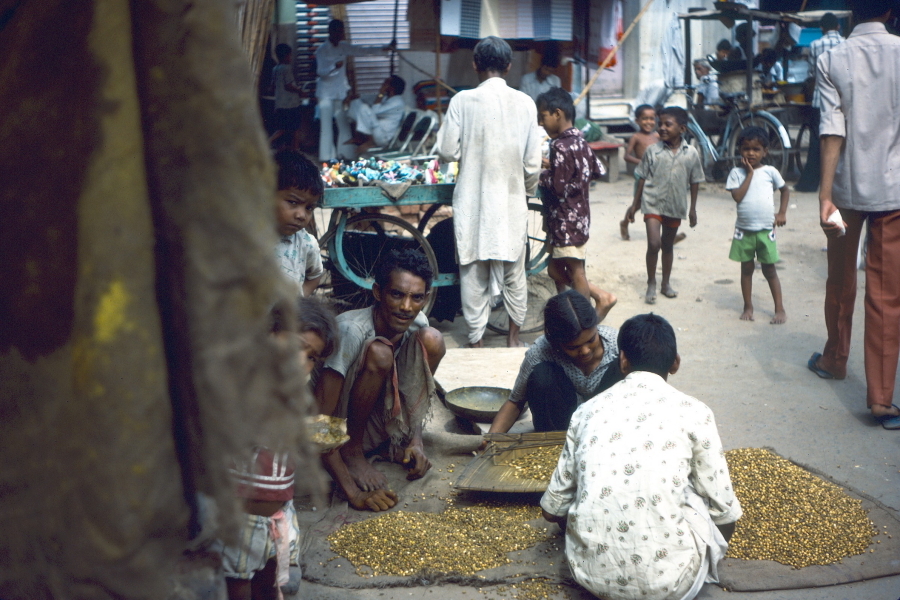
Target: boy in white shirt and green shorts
point(752, 186)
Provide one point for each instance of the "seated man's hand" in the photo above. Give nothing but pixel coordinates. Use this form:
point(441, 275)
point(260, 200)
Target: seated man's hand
point(376, 500)
point(545, 163)
point(415, 461)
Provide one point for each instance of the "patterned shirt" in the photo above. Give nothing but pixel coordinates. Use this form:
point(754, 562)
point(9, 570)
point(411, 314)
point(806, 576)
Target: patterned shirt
point(585, 385)
point(667, 176)
point(816, 49)
point(299, 257)
point(621, 478)
point(567, 185)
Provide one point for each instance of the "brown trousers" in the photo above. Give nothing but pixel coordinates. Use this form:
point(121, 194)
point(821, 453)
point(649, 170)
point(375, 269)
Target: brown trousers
point(882, 302)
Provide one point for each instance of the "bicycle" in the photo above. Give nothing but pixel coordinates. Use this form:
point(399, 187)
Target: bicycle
point(719, 158)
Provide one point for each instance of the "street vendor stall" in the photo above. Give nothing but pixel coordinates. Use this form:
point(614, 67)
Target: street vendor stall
point(358, 235)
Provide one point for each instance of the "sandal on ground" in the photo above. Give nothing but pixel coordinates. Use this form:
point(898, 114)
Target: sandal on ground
point(812, 366)
point(889, 421)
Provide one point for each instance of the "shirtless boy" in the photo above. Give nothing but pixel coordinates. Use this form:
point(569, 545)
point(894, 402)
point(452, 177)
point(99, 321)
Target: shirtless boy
point(646, 136)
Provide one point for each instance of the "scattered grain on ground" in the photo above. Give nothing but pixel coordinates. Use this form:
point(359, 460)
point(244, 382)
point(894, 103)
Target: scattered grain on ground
point(790, 515)
point(458, 540)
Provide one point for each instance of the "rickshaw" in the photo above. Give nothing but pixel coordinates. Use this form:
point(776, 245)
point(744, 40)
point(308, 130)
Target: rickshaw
point(715, 132)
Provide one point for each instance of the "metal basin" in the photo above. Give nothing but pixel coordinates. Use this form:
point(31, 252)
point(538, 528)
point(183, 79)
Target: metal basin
point(479, 404)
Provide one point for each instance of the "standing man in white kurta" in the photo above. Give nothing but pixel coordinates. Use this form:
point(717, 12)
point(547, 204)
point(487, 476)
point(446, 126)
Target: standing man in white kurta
point(332, 88)
point(492, 131)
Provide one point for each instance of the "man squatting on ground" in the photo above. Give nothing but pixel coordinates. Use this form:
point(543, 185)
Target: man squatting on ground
point(492, 131)
point(381, 380)
point(642, 488)
point(861, 178)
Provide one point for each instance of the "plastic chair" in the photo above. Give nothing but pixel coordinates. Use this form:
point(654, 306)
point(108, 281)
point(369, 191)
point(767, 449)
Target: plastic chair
point(420, 133)
point(401, 138)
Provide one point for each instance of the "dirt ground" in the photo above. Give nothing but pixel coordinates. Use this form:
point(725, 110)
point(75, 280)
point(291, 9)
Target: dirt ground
point(752, 374)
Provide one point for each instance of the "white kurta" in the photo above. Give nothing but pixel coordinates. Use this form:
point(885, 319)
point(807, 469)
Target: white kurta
point(492, 131)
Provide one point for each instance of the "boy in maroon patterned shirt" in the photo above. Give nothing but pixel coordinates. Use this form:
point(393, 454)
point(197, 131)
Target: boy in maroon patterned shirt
point(566, 182)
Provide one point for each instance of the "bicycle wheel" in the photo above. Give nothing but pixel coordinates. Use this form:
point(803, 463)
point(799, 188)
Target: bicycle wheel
point(777, 155)
point(801, 147)
point(367, 238)
point(537, 252)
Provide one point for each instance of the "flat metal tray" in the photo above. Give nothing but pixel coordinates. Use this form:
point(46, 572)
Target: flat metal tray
point(489, 471)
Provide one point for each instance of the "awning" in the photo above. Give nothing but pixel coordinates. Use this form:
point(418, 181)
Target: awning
point(738, 12)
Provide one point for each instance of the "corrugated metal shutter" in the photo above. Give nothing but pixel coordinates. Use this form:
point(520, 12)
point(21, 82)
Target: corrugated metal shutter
point(372, 24)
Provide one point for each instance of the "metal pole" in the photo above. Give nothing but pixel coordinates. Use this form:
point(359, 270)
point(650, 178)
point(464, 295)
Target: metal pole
point(394, 34)
point(687, 52)
point(748, 51)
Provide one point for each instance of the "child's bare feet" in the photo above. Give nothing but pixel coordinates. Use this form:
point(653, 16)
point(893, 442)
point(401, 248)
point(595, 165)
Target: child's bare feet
point(679, 237)
point(747, 315)
point(623, 229)
point(667, 291)
point(650, 296)
point(779, 319)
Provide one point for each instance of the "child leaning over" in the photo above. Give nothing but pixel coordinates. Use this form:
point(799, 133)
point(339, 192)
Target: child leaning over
point(666, 170)
point(566, 183)
point(299, 189)
point(751, 187)
point(257, 567)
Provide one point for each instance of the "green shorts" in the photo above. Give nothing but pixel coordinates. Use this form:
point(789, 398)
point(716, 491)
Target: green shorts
point(749, 244)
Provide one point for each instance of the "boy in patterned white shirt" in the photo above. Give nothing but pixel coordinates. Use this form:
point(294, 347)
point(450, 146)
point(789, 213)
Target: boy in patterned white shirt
point(299, 189)
point(642, 486)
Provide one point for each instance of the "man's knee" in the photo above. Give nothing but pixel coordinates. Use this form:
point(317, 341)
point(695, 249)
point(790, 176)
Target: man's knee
point(379, 358)
point(433, 341)
point(769, 272)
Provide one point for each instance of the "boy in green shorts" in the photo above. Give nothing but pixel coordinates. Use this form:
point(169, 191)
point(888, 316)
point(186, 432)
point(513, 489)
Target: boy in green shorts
point(751, 186)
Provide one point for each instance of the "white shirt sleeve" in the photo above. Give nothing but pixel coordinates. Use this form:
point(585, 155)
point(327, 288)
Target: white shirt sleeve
point(832, 120)
point(735, 178)
point(314, 266)
point(448, 142)
point(777, 179)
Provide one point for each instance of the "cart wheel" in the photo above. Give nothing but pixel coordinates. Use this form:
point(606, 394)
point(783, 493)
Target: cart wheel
point(801, 146)
point(537, 251)
point(777, 155)
point(366, 240)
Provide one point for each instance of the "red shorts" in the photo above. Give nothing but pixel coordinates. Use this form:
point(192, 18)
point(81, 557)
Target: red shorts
point(666, 221)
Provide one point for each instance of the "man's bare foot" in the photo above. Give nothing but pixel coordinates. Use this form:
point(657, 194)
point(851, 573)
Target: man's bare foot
point(779, 319)
point(376, 501)
point(515, 342)
point(623, 230)
point(478, 344)
point(650, 296)
point(367, 477)
point(747, 315)
point(603, 301)
point(667, 291)
point(679, 237)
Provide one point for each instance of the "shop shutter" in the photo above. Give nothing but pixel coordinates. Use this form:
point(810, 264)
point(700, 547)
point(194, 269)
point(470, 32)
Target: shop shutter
point(312, 32)
point(372, 24)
